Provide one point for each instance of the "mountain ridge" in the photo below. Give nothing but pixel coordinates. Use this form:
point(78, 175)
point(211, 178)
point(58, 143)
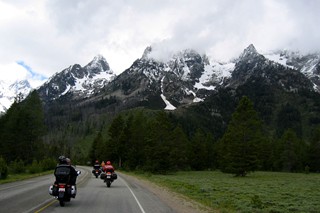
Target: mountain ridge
point(195, 76)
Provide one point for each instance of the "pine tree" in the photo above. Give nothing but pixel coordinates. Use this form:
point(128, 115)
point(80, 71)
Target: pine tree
point(314, 151)
point(292, 152)
point(238, 148)
point(200, 151)
point(116, 145)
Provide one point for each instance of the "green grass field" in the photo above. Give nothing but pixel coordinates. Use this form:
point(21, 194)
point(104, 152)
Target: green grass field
point(258, 192)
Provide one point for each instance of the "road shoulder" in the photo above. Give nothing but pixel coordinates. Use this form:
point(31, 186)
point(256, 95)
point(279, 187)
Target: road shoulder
point(178, 202)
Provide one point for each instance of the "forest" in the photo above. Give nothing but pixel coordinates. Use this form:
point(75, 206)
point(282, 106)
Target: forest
point(163, 142)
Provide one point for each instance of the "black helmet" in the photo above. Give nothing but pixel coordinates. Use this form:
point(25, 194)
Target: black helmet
point(62, 160)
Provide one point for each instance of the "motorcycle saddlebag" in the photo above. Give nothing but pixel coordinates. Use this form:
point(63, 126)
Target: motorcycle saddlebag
point(102, 175)
point(54, 190)
point(114, 176)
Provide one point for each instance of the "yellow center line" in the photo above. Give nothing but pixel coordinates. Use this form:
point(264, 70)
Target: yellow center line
point(52, 202)
point(46, 206)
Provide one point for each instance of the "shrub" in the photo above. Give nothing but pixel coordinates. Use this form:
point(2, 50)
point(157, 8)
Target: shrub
point(35, 167)
point(16, 167)
point(3, 169)
point(48, 164)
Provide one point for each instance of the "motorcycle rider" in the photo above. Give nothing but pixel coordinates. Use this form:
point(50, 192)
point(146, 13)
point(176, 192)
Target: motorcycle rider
point(61, 174)
point(108, 167)
point(96, 166)
point(102, 164)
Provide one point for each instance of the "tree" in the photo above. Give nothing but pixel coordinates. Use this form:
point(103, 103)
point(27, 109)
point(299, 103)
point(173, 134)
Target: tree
point(116, 145)
point(22, 128)
point(97, 149)
point(158, 145)
point(292, 152)
point(200, 151)
point(314, 151)
point(289, 117)
point(238, 152)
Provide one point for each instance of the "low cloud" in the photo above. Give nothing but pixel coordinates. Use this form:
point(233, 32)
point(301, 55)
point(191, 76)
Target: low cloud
point(51, 35)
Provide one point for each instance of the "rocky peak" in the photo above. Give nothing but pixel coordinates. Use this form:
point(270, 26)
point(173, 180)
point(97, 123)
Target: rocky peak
point(249, 52)
point(146, 52)
point(97, 65)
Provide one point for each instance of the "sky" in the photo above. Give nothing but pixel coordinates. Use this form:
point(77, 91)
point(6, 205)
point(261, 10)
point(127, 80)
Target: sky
point(41, 37)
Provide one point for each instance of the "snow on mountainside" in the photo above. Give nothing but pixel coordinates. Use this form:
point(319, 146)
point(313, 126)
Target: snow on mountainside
point(190, 72)
point(185, 77)
point(309, 64)
point(80, 82)
point(10, 90)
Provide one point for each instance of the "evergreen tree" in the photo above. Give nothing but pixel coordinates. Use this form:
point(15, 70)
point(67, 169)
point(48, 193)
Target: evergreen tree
point(289, 117)
point(238, 152)
point(292, 152)
point(22, 130)
point(97, 149)
point(115, 148)
point(158, 145)
point(200, 151)
point(136, 139)
point(179, 149)
point(314, 151)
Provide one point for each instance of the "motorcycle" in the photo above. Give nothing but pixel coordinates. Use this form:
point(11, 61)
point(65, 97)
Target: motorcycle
point(108, 177)
point(63, 191)
point(96, 172)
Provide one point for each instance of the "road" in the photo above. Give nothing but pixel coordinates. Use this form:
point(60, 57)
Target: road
point(93, 196)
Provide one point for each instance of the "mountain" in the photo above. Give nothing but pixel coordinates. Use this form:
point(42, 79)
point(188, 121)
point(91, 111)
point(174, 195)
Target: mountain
point(10, 90)
point(78, 82)
point(199, 89)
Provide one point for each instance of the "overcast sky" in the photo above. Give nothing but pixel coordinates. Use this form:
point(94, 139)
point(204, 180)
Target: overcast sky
point(41, 37)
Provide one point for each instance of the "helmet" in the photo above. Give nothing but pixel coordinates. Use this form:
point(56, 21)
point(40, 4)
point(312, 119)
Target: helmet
point(108, 163)
point(68, 161)
point(62, 159)
point(97, 161)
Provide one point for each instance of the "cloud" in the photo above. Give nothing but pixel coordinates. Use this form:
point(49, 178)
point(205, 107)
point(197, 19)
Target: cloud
point(50, 35)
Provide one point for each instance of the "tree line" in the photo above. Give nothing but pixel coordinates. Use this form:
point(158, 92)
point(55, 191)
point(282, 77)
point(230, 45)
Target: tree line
point(160, 141)
point(21, 138)
point(156, 142)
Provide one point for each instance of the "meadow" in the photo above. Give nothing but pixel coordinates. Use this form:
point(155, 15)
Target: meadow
point(257, 192)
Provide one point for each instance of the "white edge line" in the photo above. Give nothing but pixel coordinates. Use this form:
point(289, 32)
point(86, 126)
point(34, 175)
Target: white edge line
point(142, 210)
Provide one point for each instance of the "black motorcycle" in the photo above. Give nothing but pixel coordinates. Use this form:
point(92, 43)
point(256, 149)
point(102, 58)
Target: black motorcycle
point(108, 177)
point(96, 172)
point(61, 189)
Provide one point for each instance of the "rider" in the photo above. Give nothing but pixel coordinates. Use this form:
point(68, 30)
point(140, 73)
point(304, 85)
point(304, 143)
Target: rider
point(65, 170)
point(96, 165)
point(108, 167)
point(102, 164)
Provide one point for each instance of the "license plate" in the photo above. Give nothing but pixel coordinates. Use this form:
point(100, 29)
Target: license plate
point(62, 189)
point(108, 176)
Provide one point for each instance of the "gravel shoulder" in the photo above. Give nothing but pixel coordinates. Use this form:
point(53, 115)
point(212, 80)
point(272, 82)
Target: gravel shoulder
point(177, 202)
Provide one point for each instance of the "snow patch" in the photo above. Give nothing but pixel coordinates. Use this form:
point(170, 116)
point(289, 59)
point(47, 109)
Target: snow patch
point(169, 106)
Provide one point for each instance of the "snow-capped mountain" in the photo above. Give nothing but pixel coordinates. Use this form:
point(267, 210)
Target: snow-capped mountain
point(10, 90)
point(308, 64)
point(78, 82)
point(185, 78)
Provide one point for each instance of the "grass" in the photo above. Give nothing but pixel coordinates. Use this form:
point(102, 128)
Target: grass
point(258, 192)
point(23, 176)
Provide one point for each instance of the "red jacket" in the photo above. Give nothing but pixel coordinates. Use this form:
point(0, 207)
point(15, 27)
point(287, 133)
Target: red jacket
point(108, 168)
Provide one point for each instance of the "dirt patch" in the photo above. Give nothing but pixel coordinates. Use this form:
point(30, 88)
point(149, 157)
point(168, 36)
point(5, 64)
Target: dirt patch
point(177, 202)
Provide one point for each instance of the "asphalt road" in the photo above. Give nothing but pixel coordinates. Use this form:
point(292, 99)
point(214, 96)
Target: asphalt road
point(93, 196)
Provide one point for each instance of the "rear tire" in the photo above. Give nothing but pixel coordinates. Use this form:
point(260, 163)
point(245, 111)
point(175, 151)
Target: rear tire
point(62, 203)
point(108, 183)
